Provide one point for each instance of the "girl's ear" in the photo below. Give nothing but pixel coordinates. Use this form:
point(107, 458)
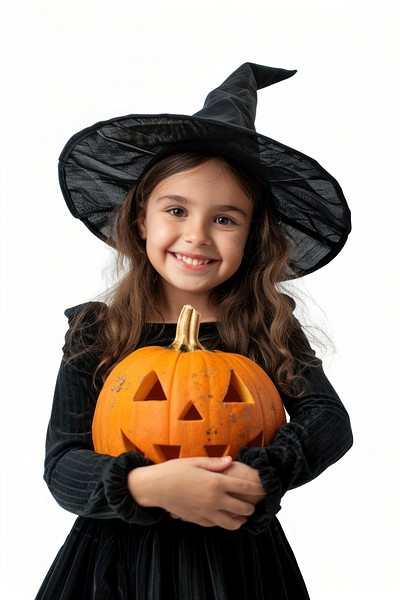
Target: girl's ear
point(142, 224)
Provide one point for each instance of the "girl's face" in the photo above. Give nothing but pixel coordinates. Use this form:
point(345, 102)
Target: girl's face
point(195, 224)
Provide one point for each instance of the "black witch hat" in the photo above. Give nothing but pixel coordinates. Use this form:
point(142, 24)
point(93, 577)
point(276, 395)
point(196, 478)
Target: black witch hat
point(100, 164)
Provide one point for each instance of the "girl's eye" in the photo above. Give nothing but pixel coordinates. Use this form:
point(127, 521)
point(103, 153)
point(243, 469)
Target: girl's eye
point(224, 221)
point(176, 212)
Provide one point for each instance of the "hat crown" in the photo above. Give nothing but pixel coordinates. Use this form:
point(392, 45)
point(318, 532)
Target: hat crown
point(234, 102)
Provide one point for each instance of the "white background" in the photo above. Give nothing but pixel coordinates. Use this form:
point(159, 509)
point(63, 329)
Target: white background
point(67, 64)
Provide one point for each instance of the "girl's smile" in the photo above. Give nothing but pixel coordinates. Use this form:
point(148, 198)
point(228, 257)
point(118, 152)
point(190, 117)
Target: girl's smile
point(196, 225)
point(193, 262)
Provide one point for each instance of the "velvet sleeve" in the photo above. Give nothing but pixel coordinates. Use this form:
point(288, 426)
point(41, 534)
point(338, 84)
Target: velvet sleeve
point(82, 481)
point(317, 435)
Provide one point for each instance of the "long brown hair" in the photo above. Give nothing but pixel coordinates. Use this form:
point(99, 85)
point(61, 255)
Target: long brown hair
point(253, 317)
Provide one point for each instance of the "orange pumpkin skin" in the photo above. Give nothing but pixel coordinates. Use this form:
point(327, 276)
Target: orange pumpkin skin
point(168, 403)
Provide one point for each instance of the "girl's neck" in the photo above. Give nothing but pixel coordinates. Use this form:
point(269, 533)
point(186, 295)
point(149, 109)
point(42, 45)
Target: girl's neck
point(170, 308)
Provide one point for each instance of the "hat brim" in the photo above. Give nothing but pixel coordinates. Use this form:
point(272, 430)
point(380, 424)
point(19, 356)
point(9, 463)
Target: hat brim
point(100, 164)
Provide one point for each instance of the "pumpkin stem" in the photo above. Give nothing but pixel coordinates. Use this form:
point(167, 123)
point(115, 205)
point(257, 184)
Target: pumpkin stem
point(187, 331)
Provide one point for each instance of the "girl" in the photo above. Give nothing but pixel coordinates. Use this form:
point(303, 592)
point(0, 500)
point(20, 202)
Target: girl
point(215, 216)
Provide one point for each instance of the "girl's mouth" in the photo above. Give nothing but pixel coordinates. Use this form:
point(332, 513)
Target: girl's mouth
point(193, 261)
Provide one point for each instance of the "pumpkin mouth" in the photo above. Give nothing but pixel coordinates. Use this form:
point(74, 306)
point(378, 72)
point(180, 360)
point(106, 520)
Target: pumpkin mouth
point(170, 451)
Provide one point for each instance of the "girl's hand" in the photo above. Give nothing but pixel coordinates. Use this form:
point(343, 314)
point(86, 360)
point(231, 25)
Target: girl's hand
point(244, 472)
point(196, 490)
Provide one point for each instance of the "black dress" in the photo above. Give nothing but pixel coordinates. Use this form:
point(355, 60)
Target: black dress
point(119, 550)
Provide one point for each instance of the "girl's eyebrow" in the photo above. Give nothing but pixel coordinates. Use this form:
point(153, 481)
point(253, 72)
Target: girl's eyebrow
point(218, 207)
point(231, 208)
point(174, 197)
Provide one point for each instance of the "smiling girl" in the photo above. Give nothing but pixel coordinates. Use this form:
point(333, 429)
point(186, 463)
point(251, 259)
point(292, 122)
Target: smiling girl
point(195, 225)
point(204, 211)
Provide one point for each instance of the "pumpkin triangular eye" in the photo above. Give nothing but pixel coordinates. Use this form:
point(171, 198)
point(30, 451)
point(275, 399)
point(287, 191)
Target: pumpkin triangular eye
point(150, 388)
point(156, 392)
point(237, 391)
point(191, 414)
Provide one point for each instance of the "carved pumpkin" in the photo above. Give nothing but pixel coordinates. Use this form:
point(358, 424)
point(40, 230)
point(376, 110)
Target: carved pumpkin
point(185, 401)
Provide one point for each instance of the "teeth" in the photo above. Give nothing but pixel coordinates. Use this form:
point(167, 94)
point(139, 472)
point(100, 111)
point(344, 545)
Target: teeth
point(192, 261)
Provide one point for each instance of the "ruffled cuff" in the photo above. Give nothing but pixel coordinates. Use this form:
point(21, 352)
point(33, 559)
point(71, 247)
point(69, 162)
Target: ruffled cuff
point(117, 493)
point(268, 508)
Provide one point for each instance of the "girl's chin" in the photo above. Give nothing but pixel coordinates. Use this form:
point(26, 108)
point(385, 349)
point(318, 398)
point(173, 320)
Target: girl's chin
point(182, 291)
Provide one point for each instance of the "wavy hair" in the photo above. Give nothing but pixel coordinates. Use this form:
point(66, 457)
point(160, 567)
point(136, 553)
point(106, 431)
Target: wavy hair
point(253, 317)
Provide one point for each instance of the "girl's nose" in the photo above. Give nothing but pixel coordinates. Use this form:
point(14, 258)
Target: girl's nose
point(197, 234)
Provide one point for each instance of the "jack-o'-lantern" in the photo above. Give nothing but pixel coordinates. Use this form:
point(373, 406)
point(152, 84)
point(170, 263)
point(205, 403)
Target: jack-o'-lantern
point(185, 400)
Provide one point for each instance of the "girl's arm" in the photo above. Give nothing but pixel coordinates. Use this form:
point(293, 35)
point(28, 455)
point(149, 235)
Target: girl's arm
point(318, 434)
point(188, 490)
point(82, 481)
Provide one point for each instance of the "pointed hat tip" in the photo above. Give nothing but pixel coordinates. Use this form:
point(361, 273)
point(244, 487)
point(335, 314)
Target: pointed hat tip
point(235, 100)
point(266, 76)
